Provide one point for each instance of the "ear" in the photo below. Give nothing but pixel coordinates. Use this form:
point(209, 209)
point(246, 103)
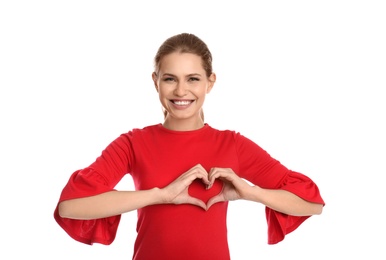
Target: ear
point(212, 80)
point(155, 80)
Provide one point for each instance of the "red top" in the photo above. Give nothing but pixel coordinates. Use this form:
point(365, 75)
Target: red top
point(155, 156)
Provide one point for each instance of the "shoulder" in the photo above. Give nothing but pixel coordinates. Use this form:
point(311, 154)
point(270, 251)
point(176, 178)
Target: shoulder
point(144, 130)
point(224, 132)
point(234, 135)
point(138, 133)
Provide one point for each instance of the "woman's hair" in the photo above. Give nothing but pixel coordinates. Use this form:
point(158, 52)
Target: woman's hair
point(185, 43)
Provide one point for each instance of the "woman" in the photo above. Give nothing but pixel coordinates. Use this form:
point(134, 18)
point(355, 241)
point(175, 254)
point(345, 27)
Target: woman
point(184, 172)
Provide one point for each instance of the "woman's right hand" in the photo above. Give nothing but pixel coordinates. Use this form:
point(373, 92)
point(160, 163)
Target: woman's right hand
point(177, 191)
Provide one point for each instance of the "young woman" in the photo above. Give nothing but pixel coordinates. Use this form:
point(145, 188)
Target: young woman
point(185, 172)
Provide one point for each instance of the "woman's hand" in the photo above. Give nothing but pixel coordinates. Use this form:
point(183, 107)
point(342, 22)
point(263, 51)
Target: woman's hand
point(234, 187)
point(177, 191)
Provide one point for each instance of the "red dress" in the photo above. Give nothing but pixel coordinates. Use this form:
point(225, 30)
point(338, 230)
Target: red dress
point(155, 156)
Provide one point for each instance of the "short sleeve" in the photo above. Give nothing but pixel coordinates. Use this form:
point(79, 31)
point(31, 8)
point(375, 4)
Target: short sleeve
point(82, 183)
point(279, 224)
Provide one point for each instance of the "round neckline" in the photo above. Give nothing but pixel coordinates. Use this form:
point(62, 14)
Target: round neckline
point(184, 132)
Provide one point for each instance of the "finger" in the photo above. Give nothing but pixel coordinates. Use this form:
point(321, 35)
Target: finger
point(194, 174)
point(224, 174)
point(200, 172)
point(218, 173)
point(211, 177)
point(196, 202)
point(203, 174)
point(214, 200)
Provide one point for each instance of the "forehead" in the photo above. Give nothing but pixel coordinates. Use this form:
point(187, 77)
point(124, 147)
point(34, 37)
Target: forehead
point(180, 62)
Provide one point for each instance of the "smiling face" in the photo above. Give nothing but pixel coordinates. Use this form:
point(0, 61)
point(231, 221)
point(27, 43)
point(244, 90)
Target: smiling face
point(182, 85)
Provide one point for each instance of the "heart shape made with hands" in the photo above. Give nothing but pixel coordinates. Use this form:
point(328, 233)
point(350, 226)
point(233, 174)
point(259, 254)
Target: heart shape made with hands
point(197, 189)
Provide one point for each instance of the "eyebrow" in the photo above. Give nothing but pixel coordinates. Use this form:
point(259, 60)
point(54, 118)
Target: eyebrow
point(189, 75)
point(194, 74)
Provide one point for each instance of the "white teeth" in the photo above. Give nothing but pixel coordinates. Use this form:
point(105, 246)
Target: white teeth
point(182, 103)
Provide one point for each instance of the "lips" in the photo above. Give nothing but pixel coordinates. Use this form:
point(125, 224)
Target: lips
point(182, 102)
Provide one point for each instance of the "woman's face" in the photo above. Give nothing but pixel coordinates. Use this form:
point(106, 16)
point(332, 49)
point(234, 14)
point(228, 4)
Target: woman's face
point(182, 85)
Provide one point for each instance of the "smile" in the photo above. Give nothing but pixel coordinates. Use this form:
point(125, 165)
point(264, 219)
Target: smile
point(182, 102)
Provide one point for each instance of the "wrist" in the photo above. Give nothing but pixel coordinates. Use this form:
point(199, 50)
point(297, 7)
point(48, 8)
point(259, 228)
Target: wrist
point(158, 195)
point(255, 194)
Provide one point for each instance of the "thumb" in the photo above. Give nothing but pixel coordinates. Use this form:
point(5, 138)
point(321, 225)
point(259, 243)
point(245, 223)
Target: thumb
point(196, 202)
point(214, 200)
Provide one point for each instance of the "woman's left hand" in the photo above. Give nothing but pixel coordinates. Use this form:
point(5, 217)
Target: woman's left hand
point(234, 187)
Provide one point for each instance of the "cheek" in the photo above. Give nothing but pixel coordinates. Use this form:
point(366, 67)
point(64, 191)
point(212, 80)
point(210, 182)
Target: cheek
point(203, 90)
point(161, 91)
point(163, 95)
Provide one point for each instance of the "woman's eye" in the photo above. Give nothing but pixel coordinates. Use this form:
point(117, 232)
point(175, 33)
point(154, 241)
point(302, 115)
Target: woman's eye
point(168, 79)
point(194, 79)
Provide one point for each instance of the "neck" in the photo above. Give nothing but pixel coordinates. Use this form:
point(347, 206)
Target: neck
point(183, 124)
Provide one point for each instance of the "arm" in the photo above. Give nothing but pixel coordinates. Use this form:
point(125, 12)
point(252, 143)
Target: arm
point(284, 201)
point(280, 200)
point(114, 203)
point(108, 204)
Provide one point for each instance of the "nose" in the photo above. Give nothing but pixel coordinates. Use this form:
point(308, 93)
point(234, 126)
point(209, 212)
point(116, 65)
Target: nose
point(180, 89)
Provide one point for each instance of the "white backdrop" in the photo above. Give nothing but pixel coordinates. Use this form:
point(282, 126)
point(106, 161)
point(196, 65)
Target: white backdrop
point(303, 79)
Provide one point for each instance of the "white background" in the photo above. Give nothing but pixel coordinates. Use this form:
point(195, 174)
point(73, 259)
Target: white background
point(303, 79)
